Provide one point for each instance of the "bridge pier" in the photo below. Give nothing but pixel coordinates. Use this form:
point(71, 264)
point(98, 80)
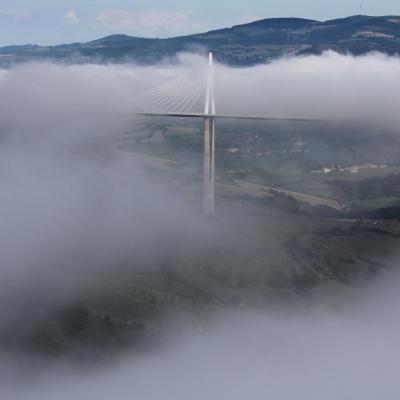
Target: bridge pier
point(209, 143)
point(209, 116)
point(209, 166)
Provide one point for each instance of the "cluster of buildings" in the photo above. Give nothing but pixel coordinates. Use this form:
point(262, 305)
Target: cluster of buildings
point(356, 169)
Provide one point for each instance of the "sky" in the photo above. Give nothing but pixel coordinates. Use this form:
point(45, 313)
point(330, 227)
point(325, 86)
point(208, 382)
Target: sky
point(50, 22)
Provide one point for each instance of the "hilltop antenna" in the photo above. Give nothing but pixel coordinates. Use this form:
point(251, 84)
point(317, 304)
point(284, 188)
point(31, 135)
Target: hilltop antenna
point(361, 8)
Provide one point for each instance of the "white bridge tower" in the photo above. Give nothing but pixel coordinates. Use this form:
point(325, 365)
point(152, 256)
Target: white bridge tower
point(175, 99)
point(209, 143)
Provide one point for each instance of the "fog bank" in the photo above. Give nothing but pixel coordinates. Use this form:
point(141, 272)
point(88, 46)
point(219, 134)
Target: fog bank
point(70, 214)
point(310, 355)
point(330, 86)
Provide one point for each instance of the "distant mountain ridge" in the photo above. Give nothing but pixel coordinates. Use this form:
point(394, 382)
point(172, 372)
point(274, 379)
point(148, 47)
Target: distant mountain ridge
point(243, 45)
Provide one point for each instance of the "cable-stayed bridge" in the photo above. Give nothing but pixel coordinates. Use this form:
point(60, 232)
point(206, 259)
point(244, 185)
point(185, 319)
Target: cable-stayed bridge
point(178, 99)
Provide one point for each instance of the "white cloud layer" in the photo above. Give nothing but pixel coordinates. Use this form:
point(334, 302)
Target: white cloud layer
point(51, 182)
point(330, 86)
point(311, 356)
point(71, 18)
point(65, 217)
point(46, 109)
point(54, 107)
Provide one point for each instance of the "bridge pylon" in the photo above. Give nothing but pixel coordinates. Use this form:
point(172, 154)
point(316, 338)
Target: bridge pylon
point(176, 101)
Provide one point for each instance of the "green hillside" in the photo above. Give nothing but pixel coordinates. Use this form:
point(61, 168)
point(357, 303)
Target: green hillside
point(248, 44)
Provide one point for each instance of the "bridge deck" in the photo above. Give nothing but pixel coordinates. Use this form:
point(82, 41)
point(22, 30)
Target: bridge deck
point(227, 116)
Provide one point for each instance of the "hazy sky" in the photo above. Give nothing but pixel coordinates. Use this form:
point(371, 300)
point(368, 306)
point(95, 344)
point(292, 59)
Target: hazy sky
point(49, 21)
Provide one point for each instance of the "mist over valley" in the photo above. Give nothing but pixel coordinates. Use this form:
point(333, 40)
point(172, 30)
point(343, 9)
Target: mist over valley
point(113, 282)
